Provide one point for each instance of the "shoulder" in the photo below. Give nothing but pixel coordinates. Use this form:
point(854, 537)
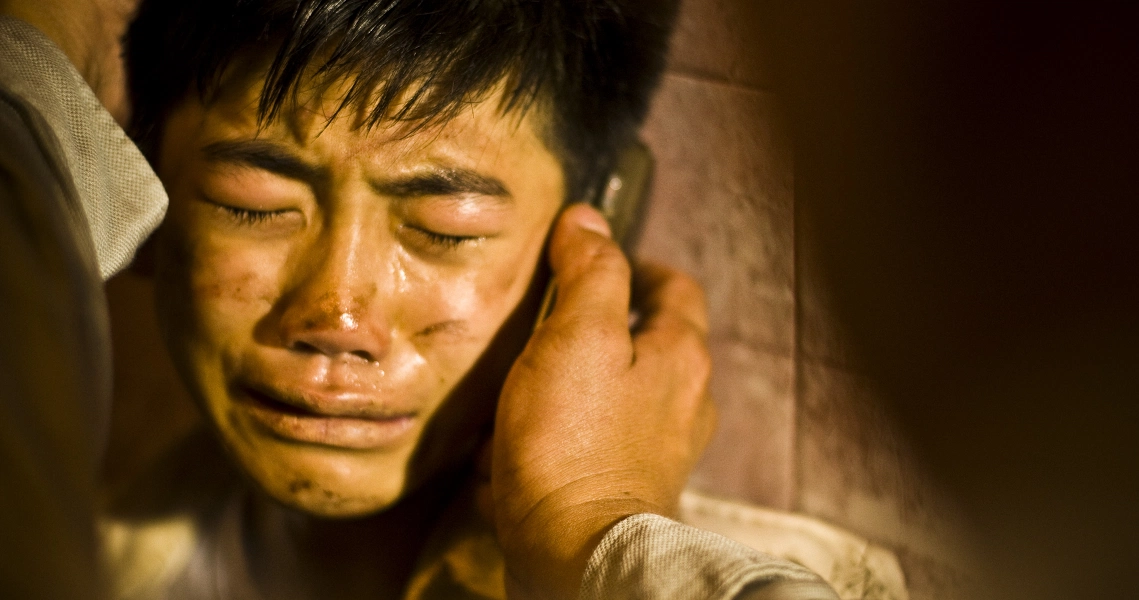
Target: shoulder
point(154, 530)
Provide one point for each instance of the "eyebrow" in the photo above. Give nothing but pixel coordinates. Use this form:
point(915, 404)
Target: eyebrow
point(449, 181)
point(440, 181)
point(264, 155)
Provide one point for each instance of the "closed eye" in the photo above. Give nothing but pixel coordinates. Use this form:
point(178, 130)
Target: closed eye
point(442, 241)
point(248, 217)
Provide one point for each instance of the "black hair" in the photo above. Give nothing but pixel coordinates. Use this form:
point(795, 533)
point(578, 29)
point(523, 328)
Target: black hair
point(590, 64)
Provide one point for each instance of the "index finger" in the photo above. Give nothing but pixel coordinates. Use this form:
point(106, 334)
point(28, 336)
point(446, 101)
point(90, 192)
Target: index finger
point(660, 290)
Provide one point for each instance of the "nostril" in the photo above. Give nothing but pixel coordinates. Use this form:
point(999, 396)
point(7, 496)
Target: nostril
point(311, 335)
point(364, 354)
point(307, 348)
point(310, 348)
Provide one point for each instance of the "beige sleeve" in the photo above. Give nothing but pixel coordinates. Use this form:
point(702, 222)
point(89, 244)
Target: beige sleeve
point(650, 557)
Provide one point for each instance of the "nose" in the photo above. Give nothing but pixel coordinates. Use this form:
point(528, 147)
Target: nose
point(336, 307)
point(336, 329)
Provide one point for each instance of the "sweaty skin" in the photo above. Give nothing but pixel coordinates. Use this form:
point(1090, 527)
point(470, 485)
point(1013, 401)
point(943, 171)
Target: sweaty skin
point(326, 289)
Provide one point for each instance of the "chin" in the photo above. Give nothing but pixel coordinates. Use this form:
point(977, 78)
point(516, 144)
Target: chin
point(335, 506)
point(331, 485)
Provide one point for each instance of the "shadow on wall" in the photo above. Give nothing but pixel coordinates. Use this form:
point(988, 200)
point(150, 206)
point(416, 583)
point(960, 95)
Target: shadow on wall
point(968, 174)
point(963, 205)
point(802, 425)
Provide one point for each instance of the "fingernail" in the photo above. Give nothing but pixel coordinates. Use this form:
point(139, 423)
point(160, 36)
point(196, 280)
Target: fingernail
point(593, 221)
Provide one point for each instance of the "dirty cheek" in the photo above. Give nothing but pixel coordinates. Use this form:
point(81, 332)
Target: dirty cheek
point(471, 308)
point(232, 287)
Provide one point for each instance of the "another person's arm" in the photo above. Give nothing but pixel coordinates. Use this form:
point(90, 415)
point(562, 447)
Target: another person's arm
point(597, 431)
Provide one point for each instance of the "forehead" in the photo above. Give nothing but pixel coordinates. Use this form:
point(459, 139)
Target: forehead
point(336, 111)
point(321, 140)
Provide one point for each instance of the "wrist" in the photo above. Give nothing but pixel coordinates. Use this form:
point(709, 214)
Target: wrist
point(548, 551)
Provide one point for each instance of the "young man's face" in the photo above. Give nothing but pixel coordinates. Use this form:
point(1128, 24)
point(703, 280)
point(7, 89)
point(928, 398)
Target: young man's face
point(327, 289)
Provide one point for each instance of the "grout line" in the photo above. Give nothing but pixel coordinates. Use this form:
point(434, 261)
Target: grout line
point(770, 349)
point(716, 80)
point(796, 360)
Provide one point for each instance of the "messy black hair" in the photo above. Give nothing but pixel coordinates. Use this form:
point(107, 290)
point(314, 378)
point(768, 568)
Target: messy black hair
point(590, 64)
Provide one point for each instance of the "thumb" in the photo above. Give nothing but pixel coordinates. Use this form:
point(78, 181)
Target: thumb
point(592, 272)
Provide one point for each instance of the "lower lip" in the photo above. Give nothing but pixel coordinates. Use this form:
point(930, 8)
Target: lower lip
point(338, 432)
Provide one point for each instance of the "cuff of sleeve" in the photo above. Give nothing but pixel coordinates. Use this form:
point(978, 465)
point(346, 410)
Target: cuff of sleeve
point(648, 556)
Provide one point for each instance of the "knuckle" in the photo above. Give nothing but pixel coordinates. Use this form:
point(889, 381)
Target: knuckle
point(692, 351)
point(684, 295)
point(695, 300)
point(604, 339)
point(587, 335)
point(701, 362)
point(682, 284)
point(599, 263)
point(608, 257)
point(694, 366)
point(686, 284)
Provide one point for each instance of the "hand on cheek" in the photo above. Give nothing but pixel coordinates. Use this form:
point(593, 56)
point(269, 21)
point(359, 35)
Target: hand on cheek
point(596, 423)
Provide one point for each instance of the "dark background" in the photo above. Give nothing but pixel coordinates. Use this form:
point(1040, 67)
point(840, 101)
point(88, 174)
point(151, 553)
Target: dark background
point(968, 171)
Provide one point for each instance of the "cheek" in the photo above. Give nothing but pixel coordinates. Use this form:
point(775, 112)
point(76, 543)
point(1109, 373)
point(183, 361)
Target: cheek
point(452, 317)
point(231, 281)
point(467, 305)
point(217, 290)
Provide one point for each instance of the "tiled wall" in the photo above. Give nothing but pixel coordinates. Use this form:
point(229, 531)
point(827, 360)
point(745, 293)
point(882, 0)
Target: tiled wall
point(800, 428)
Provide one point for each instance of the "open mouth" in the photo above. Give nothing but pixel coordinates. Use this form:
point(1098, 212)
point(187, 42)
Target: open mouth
point(343, 427)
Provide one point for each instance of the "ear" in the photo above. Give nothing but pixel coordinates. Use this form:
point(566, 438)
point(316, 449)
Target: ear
point(143, 264)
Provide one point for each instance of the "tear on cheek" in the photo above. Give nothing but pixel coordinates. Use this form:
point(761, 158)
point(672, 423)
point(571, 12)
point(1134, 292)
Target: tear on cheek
point(452, 328)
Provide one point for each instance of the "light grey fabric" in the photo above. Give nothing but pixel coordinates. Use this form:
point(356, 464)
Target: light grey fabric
point(649, 557)
point(121, 197)
point(855, 567)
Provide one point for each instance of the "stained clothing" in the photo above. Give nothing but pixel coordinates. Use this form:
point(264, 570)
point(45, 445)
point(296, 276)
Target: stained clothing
point(76, 200)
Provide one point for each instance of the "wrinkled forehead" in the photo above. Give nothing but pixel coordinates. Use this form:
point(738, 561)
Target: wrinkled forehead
point(243, 98)
point(247, 90)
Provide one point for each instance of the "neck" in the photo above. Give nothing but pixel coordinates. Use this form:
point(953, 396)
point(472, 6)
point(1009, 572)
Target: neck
point(296, 555)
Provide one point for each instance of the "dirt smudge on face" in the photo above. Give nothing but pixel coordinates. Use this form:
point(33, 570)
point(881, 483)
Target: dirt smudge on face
point(300, 485)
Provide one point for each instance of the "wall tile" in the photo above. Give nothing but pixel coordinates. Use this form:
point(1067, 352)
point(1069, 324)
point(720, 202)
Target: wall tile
point(855, 470)
point(716, 39)
point(752, 454)
point(721, 207)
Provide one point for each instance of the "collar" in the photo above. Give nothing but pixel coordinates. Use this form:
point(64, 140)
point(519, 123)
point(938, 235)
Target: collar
point(118, 192)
